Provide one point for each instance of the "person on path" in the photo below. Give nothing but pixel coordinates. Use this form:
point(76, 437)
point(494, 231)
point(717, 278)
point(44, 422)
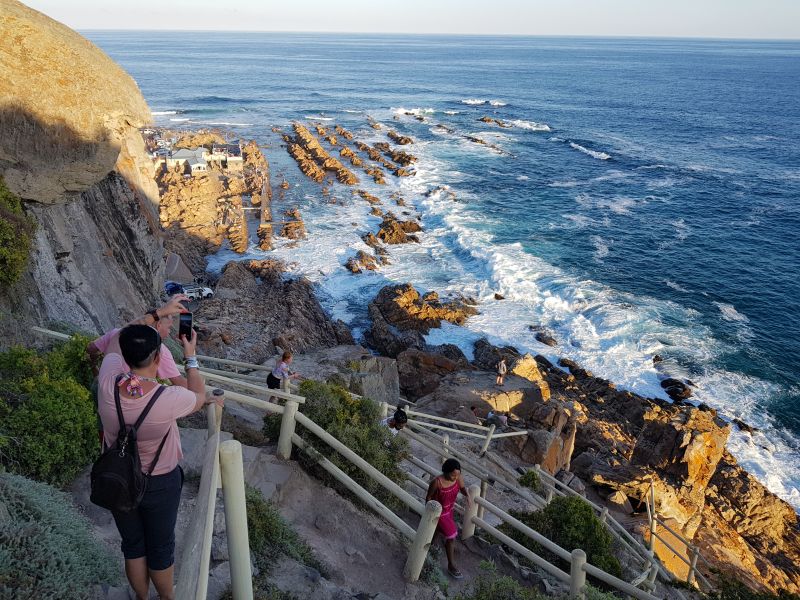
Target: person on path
point(444, 489)
point(130, 373)
point(397, 422)
point(502, 369)
point(281, 372)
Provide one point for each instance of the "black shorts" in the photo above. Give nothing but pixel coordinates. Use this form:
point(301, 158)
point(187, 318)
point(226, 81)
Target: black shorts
point(149, 531)
point(273, 382)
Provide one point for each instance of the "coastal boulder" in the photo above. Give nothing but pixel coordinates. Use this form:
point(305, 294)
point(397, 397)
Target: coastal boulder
point(394, 231)
point(420, 372)
point(361, 262)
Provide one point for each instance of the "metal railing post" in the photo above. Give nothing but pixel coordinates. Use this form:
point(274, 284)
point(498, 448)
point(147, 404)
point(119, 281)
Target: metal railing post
point(488, 439)
point(577, 576)
point(694, 552)
point(287, 430)
point(232, 472)
point(484, 490)
point(422, 540)
point(470, 512)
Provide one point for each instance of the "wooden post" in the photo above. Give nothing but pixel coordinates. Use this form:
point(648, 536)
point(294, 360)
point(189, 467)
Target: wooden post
point(471, 511)
point(422, 540)
point(287, 430)
point(577, 576)
point(230, 462)
point(694, 552)
point(384, 410)
point(445, 447)
point(604, 515)
point(651, 578)
point(488, 439)
point(484, 490)
point(653, 522)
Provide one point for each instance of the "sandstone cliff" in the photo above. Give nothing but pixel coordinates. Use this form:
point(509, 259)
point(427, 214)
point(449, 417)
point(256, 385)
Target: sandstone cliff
point(70, 148)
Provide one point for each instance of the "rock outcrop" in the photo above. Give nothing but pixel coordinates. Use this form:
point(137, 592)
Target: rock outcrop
point(420, 372)
point(402, 140)
point(70, 148)
point(394, 231)
point(281, 313)
point(400, 317)
point(361, 262)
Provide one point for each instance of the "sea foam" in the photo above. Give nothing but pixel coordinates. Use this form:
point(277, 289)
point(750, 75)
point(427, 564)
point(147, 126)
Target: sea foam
point(531, 125)
point(592, 153)
point(474, 101)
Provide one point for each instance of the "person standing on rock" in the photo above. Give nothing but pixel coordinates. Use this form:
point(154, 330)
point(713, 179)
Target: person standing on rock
point(130, 379)
point(502, 369)
point(444, 489)
point(397, 422)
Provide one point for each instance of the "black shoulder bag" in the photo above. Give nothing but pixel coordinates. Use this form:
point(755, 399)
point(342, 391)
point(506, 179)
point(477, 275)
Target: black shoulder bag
point(117, 481)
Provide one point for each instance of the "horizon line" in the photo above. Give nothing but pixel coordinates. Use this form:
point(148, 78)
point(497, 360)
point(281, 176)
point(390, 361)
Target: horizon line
point(441, 34)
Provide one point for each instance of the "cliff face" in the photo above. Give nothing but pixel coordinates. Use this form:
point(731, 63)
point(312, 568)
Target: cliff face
point(71, 149)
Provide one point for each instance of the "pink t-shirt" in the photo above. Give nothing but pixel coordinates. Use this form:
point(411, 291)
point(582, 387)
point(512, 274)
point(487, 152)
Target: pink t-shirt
point(174, 402)
point(167, 369)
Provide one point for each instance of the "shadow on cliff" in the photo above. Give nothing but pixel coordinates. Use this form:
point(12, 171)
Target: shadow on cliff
point(97, 257)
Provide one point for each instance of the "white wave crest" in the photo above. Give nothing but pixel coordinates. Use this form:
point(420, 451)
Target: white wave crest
point(676, 286)
point(417, 112)
point(729, 313)
point(531, 125)
point(452, 112)
point(498, 103)
point(592, 153)
point(161, 113)
point(225, 123)
point(473, 101)
point(522, 178)
point(179, 120)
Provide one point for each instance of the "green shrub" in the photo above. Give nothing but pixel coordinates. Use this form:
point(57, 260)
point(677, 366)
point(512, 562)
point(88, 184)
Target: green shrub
point(571, 523)
point(16, 236)
point(356, 423)
point(52, 431)
point(530, 480)
point(47, 418)
point(47, 550)
point(729, 588)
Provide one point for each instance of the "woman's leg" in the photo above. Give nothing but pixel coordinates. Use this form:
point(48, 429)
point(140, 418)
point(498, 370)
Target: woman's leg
point(163, 580)
point(449, 548)
point(136, 570)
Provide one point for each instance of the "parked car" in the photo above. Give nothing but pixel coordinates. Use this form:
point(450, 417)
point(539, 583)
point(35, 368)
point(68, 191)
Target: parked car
point(171, 288)
point(196, 292)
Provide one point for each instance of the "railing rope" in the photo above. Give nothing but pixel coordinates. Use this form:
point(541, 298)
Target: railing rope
point(232, 470)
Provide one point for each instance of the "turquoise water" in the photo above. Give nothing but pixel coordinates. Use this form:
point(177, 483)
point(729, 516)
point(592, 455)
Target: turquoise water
point(644, 201)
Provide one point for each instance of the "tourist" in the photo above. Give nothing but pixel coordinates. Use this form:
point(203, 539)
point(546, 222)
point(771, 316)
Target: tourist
point(397, 422)
point(281, 373)
point(502, 369)
point(444, 489)
point(497, 418)
point(167, 369)
point(148, 532)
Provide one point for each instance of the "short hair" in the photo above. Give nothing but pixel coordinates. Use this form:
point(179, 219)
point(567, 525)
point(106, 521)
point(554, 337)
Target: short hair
point(139, 345)
point(400, 416)
point(450, 465)
point(473, 407)
point(286, 355)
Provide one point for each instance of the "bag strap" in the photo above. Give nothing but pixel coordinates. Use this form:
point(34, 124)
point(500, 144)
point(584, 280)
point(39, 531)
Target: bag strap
point(119, 405)
point(158, 453)
point(147, 408)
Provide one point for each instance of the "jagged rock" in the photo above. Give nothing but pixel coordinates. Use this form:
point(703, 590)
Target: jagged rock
point(620, 501)
point(499, 296)
point(676, 389)
point(495, 121)
point(361, 261)
point(420, 372)
point(395, 231)
point(546, 338)
point(296, 229)
point(276, 309)
point(452, 352)
point(402, 140)
point(487, 356)
point(403, 308)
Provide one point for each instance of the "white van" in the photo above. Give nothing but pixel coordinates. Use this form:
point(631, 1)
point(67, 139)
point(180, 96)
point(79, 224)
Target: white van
point(196, 292)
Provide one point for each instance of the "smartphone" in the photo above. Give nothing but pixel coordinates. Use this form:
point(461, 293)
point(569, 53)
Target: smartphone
point(185, 325)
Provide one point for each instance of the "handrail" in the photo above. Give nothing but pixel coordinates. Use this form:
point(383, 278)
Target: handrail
point(234, 363)
point(252, 386)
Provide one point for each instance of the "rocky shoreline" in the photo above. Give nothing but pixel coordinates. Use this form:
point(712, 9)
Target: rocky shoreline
point(615, 443)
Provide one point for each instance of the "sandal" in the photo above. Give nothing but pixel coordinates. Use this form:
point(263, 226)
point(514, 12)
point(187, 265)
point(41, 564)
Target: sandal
point(455, 574)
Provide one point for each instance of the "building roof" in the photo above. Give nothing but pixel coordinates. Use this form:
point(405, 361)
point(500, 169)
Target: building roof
point(186, 154)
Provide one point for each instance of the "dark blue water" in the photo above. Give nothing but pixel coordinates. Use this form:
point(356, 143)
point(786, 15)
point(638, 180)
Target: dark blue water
point(645, 199)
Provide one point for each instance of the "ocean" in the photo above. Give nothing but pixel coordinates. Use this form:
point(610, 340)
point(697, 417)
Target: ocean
point(643, 201)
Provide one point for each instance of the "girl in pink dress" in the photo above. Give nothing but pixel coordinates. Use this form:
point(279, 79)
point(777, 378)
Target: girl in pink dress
point(444, 489)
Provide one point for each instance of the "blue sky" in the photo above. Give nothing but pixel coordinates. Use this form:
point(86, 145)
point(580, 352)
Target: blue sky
point(673, 18)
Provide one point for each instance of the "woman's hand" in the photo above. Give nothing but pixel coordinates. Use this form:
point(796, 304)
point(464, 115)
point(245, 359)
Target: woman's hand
point(218, 399)
point(189, 345)
point(173, 306)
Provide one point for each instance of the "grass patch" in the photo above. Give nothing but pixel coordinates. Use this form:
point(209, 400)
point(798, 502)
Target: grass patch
point(730, 588)
point(489, 585)
point(356, 423)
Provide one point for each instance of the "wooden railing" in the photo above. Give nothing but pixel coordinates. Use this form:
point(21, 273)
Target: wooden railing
point(693, 575)
point(222, 467)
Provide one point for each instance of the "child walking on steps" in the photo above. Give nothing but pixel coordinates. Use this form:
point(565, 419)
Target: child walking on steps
point(444, 489)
